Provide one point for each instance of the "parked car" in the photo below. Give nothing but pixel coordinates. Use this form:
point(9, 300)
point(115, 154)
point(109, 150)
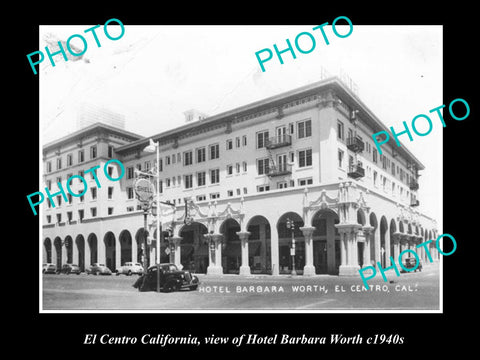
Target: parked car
point(171, 279)
point(49, 268)
point(70, 269)
point(130, 268)
point(410, 263)
point(98, 269)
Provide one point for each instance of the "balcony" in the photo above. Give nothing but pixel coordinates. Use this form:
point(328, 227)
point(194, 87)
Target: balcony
point(284, 169)
point(356, 171)
point(413, 185)
point(414, 203)
point(355, 144)
point(278, 141)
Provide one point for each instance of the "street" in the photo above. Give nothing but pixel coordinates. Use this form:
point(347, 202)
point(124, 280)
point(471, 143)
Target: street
point(410, 291)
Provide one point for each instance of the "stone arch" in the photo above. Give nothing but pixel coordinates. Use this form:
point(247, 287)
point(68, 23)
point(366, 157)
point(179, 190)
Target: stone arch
point(231, 247)
point(57, 244)
point(285, 243)
point(259, 244)
point(80, 245)
point(194, 247)
point(92, 242)
point(110, 250)
point(385, 241)
point(126, 245)
point(361, 218)
point(326, 241)
point(47, 250)
point(68, 242)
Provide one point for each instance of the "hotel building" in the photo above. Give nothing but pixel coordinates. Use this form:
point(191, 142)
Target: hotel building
point(291, 179)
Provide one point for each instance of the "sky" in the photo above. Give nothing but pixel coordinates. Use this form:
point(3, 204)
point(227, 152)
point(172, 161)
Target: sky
point(152, 74)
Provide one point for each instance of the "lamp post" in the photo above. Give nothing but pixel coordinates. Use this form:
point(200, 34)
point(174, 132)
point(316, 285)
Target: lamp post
point(291, 226)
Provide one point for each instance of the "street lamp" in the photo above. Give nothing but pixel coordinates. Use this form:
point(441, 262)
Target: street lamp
point(291, 226)
point(155, 147)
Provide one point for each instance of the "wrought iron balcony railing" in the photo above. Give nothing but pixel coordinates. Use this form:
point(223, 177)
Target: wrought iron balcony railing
point(278, 141)
point(356, 171)
point(283, 169)
point(355, 144)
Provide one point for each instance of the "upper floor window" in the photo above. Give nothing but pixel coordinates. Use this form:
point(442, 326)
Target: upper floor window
point(49, 166)
point(305, 158)
point(187, 158)
point(304, 128)
point(262, 138)
point(340, 130)
point(81, 156)
point(93, 152)
point(188, 181)
point(69, 160)
point(229, 144)
point(214, 151)
point(215, 176)
point(59, 163)
point(201, 155)
point(110, 151)
point(263, 166)
point(244, 140)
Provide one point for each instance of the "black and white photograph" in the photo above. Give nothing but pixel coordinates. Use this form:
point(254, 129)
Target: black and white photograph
point(208, 186)
point(264, 192)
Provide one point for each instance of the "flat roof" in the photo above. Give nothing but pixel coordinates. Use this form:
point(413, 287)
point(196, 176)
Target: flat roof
point(334, 83)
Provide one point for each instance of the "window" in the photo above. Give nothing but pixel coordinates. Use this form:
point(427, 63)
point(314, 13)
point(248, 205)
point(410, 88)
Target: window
point(237, 141)
point(393, 168)
point(49, 184)
point(262, 138)
point(244, 190)
point(93, 191)
point(93, 152)
point(305, 158)
point(340, 130)
point(229, 193)
point(59, 200)
point(238, 191)
point(262, 166)
point(201, 198)
point(179, 158)
point(201, 178)
point(174, 159)
point(374, 156)
point(59, 179)
point(304, 128)
point(59, 163)
point(214, 196)
point(291, 127)
point(303, 182)
point(81, 156)
point(262, 188)
point(282, 185)
point(167, 182)
point(147, 165)
point(110, 151)
point(110, 192)
point(214, 176)
point(173, 180)
point(214, 151)
point(130, 208)
point(110, 211)
point(130, 194)
point(93, 211)
point(340, 158)
point(374, 178)
point(160, 164)
point(49, 166)
point(49, 219)
point(244, 165)
point(187, 158)
point(59, 218)
point(201, 157)
point(229, 144)
point(130, 172)
point(237, 166)
point(69, 160)
point(167, 160)
point(69, 198)
point(81, 214)
point(244, 140)
point(229, 169)
point(384, 162)
point(110, 171)
point(82, 198)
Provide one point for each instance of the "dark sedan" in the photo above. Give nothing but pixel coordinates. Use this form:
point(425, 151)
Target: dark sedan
point(70, 269)
point(171, 279)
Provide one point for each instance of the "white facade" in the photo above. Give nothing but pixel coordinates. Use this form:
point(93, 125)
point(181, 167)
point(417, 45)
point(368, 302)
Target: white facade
point(242, 184)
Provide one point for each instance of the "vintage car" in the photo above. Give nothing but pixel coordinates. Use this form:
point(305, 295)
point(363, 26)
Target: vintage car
point(49, 268)
point(410, 263)
point(98, 269)
point(130, 268)
point(171, 279)
point(70, 269)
